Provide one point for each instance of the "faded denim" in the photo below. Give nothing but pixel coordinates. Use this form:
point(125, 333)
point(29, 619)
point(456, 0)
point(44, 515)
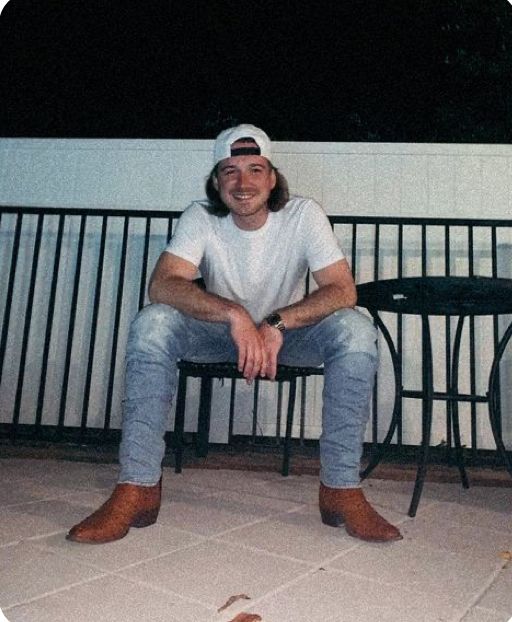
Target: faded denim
point(344, 342)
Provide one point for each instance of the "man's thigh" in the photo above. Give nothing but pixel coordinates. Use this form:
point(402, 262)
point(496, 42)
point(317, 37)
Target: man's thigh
point(208, 342)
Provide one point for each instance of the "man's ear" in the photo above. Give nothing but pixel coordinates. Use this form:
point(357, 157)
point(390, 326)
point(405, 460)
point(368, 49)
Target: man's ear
point(274, 178)
point(215, 182)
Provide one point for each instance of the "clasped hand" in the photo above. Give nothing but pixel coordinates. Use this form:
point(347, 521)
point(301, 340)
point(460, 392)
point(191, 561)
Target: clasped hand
point(258, 348)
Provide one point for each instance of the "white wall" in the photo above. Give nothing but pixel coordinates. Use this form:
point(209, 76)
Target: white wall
point(346, 178)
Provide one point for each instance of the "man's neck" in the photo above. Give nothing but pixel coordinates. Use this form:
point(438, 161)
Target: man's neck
point(250, 222)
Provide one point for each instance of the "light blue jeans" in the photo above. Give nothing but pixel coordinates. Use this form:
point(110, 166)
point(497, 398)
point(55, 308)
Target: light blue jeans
point(345, 342)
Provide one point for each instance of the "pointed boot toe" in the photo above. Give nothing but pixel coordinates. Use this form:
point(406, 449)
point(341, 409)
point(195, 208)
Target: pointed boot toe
point(128, 506)
point(349, 507)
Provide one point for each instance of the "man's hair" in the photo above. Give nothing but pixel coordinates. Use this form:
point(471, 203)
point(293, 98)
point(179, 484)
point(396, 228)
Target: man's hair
point(277, 199)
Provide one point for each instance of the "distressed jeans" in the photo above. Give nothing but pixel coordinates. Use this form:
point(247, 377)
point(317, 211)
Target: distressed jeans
point(344, 342)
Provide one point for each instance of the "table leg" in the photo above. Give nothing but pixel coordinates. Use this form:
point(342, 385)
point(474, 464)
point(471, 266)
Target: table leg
point(426, 418)
point(453, 390)
point(492, 396)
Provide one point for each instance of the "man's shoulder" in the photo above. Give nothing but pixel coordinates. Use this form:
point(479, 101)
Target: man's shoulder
point(197, 208)
point(298, 207)
point(196, 213)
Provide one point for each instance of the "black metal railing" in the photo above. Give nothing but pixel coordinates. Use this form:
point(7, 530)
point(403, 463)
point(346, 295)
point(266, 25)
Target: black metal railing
point(72, 279)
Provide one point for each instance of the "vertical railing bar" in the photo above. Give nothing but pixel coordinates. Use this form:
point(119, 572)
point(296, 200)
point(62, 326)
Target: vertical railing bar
point(375, 407)
point(49, 322)
point(448, 345)
point(399, 333)
point(115, 332)
point(256, 393)
point(232, 399)
point(354, 250)
point(145, 255)
point(303, 395)
point(472, 353)
point(27, 326)
point(423, 250)
point(495, 322)
point(71, 326)
point(94, 327)
point(279, 410)
point(10, 289)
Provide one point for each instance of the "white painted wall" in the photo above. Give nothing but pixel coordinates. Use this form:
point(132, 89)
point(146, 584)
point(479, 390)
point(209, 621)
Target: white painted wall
point(349, 178)
point(346, 178)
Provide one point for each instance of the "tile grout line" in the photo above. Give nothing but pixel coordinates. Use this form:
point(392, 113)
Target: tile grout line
point(488, 584)
point(57, 591)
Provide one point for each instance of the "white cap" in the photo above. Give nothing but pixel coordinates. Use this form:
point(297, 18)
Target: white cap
point(225, 140)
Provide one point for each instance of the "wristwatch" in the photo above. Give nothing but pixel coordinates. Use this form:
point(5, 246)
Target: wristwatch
point(276, 321)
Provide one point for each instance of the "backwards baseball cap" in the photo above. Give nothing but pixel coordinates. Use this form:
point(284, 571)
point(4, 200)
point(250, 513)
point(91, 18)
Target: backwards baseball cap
point(224, 143)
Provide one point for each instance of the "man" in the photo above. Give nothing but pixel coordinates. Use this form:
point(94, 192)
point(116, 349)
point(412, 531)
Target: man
point(252, 246)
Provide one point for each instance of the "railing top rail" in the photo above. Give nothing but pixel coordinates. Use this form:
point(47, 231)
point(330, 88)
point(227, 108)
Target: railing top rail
point(89, 211)
point(334, 218)
point(413, 220)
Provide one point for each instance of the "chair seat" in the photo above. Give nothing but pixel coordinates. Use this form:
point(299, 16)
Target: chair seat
point(227, 369)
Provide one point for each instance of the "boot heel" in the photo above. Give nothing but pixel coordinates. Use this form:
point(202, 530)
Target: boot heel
point(333, 519)
point(145, 519)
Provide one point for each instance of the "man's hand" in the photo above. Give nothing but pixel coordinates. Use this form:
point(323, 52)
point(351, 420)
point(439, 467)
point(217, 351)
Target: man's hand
point(252, 355)
point(272, 339)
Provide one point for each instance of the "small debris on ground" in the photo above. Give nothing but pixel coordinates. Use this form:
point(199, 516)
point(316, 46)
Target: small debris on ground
point(247, 617)
point(232, 600)
point(506, 555)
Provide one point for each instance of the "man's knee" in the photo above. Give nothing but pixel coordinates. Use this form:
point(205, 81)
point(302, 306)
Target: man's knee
point(155, 322)
point(354, 332)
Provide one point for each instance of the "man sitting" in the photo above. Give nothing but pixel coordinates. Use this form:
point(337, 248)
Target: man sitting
point(252, 245)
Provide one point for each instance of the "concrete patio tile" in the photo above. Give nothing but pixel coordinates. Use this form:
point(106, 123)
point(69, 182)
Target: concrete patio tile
point(477, 614)
point(471, 540)
point(395, 495)
point(212, 572)
point(136, 546)
point(328, 595)
point(110, 599)
point(474, 513)
point(299, 535)
point(30, 520)
point(302, 488)
point(214, 513)
point(27, 572)
point(454, 576)
point(499, 595)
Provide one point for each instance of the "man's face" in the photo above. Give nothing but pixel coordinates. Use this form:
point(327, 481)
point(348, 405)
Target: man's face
point(244, 184)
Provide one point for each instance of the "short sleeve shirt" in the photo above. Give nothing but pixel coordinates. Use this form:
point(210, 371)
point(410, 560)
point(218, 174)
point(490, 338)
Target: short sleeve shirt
point(264, 269)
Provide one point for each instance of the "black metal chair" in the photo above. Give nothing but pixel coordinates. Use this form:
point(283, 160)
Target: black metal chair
point(207, 372)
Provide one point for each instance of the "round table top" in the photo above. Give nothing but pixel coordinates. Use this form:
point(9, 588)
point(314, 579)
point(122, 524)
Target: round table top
point(438, 295)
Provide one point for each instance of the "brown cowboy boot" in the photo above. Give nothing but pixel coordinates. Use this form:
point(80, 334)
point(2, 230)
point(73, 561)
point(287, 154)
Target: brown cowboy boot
point(349, 506)
point(128, 506)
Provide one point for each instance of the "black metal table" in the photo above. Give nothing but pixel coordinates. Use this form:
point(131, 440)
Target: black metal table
point(439, 296)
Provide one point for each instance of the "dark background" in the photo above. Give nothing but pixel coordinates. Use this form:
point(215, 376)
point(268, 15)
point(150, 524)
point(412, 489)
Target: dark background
point(314, 70)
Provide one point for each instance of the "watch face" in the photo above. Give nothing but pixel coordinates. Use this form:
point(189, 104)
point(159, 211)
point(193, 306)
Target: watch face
point(273, 319)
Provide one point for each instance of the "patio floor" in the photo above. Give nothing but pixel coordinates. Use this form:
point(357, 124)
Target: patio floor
point(252, 535)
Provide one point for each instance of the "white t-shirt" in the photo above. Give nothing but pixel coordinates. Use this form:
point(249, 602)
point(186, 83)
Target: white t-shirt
point(262, 270)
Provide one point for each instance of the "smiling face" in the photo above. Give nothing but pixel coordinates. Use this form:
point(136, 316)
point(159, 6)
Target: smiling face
point(244, 183)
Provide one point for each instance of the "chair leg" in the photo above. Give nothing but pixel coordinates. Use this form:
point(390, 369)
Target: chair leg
point(289, 423)
point(179, 422)
point(203, 421)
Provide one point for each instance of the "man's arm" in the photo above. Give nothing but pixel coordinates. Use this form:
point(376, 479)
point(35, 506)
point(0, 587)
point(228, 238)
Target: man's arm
point(172, 283)
point(336, 290)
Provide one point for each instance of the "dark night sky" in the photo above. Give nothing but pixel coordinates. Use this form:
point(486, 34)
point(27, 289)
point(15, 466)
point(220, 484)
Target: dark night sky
point(384, 70)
